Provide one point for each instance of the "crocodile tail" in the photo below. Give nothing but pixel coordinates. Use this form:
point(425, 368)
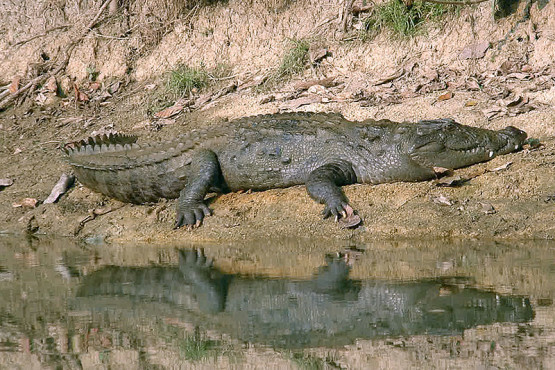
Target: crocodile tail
point(93, 141)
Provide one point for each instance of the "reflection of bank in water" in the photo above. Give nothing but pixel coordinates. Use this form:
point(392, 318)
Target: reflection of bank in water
point(328, 310)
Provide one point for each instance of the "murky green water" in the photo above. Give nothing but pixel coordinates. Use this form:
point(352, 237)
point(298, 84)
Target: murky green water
point(280, 304)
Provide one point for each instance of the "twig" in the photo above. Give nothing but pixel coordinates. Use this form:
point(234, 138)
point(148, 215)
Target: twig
point(41, 35)
point(63, 64)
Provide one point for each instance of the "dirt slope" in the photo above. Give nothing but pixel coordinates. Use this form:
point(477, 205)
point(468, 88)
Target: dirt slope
point(511, 84)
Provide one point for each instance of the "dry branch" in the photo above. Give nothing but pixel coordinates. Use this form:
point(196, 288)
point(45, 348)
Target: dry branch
point(66, 54)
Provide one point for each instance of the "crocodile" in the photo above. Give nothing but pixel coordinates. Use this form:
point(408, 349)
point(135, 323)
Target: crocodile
point(320, 150)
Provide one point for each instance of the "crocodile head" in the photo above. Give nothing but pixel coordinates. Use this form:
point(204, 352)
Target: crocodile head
point(445, 143)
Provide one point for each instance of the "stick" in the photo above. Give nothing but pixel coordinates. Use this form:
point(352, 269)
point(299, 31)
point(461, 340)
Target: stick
point(67, 50)
point(41, 35)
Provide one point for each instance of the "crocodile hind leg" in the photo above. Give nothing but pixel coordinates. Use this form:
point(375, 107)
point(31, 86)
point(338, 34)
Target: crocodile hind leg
point(324, 186)
point(204, 174)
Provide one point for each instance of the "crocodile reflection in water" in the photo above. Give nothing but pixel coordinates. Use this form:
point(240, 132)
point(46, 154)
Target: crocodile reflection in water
point(329, 309)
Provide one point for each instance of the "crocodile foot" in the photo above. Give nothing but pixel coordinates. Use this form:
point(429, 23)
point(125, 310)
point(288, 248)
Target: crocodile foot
point(191, 214)
point(344, 215)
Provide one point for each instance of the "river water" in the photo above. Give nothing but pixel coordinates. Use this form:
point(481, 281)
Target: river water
point(305, 304)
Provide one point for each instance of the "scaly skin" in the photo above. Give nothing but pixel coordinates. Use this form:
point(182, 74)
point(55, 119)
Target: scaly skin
point(322, 151)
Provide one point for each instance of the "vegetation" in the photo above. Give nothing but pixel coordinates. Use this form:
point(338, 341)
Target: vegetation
point(183, 80)
point(295, 59)
point(402, 20)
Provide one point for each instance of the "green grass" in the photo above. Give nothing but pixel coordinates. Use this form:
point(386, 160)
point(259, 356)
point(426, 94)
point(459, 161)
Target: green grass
point(183, 80)
point(401, 20)
point(295, 60)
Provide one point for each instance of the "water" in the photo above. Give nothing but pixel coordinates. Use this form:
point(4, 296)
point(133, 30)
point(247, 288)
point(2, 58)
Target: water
point(277, 304)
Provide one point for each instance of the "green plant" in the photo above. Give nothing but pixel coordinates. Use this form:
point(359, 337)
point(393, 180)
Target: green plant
point(295, 59)
point(183, 79)
point(307, 361)
point(402, 20)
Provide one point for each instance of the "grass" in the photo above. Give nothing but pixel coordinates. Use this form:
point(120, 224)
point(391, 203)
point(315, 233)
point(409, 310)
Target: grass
point(184, 80)
point(295, 59)
point(401, 20)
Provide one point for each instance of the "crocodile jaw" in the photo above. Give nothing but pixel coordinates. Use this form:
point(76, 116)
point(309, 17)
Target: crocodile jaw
point(465, 148)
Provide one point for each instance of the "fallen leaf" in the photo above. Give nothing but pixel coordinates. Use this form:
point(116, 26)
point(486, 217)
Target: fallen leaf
point(5, 183)
point(470, 103)
point(430, 74)
point(442, 200)
point(296, 103)
point(520, 76)
point(526, 68)
point(267, 99)
point(501, 168)
point(79, 95)
point(26, 202)
point(40, 98)
point(94, 85)
point(51, 84)
point(305, 85)
point(451, 181)
point(395, 75)
point(166, 121)
point(318, 55)
point(475, 51)
point(448, 95)
point(60, 188)
point(442, 171)
point(472, 84)
point(115, 87)
point(513, 102)
point(169, 112)
point(255, 81)
point(14, 86)
point(488, 209)
point(493, 112)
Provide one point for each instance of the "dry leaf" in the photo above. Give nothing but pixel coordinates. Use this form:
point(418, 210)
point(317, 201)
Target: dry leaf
point(114, 87)
point(14, 86)
point(448, 95)
point(475, 51)
point(442, 200)
point(487, 208)
point(395, 75)
point(520, 76)
point(296, 103)
point(169, 112)
point(470, 103)
point(267, 99)
point(5, 183)
point(26, 202)
point(40, 98)
point(326, 82)
point(318, 55)
point(501, 168)
point(94, 85)
point(442, 171)
point(51, 85)
point(451, 181)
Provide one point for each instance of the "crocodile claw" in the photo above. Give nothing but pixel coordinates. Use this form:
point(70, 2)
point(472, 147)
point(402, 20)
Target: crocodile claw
point(191, 215)
point(344, 215)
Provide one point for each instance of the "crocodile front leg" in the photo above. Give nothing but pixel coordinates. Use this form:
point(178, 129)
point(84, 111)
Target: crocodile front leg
point(205, 173)
point(324, 186)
